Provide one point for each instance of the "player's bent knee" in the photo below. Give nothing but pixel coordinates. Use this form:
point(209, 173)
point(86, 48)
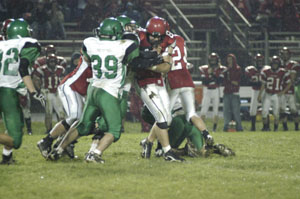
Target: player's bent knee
point(162, 125)
point(17, 142)
point(84, 129)
point(66, 125)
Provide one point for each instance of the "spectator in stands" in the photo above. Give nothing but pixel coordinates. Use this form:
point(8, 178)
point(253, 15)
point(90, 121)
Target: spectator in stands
point(57, 20)
point(133, 13)
point(279, 15)
point(290, 17)
point(3, 10)
point(249, 8)
point(92, 15)
point(74, 62)
point(41, 21)
point(111, 8)
point(231, 98)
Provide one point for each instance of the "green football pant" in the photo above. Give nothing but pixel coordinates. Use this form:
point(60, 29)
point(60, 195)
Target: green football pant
point(12, 114)
point(181, 129)
point(101, 103)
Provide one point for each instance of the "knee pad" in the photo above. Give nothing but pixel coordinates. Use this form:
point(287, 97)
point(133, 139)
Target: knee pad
point(84, 129)
point(97, 137)
point(162, 125)
point(66, 125)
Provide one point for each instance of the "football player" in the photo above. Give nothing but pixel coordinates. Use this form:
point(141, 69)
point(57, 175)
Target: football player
point(152, 89)
point(212, 76)
point(273, 78)
point(181, 85)
point(253, 75)
point(72, 90)
point(17, 54)
point(48, 50)
point(108, 61)
point(5, 23)
point(292, 67)
point(24, 96)
point(182, 129)
point(50, 76)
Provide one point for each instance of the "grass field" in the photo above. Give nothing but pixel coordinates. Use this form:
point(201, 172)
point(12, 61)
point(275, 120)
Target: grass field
point(266, 165)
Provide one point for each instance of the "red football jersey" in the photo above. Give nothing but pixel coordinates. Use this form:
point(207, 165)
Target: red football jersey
point(254, 75)
point(217, 72)
point(145, 77)
point(274, 80)
point(42, 61)
point(77, 79)
point(50, 79)
point(179, 76)
point(292, 67)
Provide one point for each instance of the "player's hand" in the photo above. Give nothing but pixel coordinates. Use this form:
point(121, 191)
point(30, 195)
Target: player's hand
point(40, 97)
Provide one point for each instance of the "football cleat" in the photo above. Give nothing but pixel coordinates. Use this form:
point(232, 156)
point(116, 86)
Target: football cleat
point(93, 157)
point(223, 150)
point(70, 150)
point(159, 152)
point(54, 155)
point(209, 140)
point(7, 159)
point(265, 129)
point(172, 157)
point(44, 147)
point(146, 148)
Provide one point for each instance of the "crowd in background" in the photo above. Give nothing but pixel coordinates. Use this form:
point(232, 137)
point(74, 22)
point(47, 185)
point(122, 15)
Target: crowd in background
point(47, 16)
point(275, 15)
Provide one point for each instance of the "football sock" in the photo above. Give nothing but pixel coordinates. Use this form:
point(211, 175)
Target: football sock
point(93, 147)
point(7, 152)
point(285, 127)
point(296, 126)
point(28, 124)
point(215, 127)
point(275, 127)
point(97, 151)
point(166, 149)
point(205, 133)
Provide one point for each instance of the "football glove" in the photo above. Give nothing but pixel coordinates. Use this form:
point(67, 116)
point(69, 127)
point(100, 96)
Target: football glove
point(40, 97)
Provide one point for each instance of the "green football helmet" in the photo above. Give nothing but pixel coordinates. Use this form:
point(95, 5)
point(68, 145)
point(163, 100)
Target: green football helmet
point(128, 24)
point(17, 29)
point(110, 29)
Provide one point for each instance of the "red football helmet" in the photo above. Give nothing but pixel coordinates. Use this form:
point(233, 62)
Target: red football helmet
point(213, 59)
point(285, 53)
point(4, 27)
point(156, 26)
point(50, 49)
point(275, 62)
point(51, 61)
point(259, 60)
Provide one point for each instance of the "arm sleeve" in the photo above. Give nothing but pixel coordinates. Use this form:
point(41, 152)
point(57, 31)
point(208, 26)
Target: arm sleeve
point(30, 51)
point(23, 68)
point(84, 52)
point(131, 52)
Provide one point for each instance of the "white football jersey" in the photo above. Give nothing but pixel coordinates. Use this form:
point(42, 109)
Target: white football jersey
point(10, 61)
point(106, 56)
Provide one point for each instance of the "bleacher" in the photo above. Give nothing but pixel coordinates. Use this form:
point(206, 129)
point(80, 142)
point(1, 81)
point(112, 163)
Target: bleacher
point(200, 22)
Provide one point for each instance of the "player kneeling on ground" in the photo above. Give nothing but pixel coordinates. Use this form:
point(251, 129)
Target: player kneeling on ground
point(180, 130)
